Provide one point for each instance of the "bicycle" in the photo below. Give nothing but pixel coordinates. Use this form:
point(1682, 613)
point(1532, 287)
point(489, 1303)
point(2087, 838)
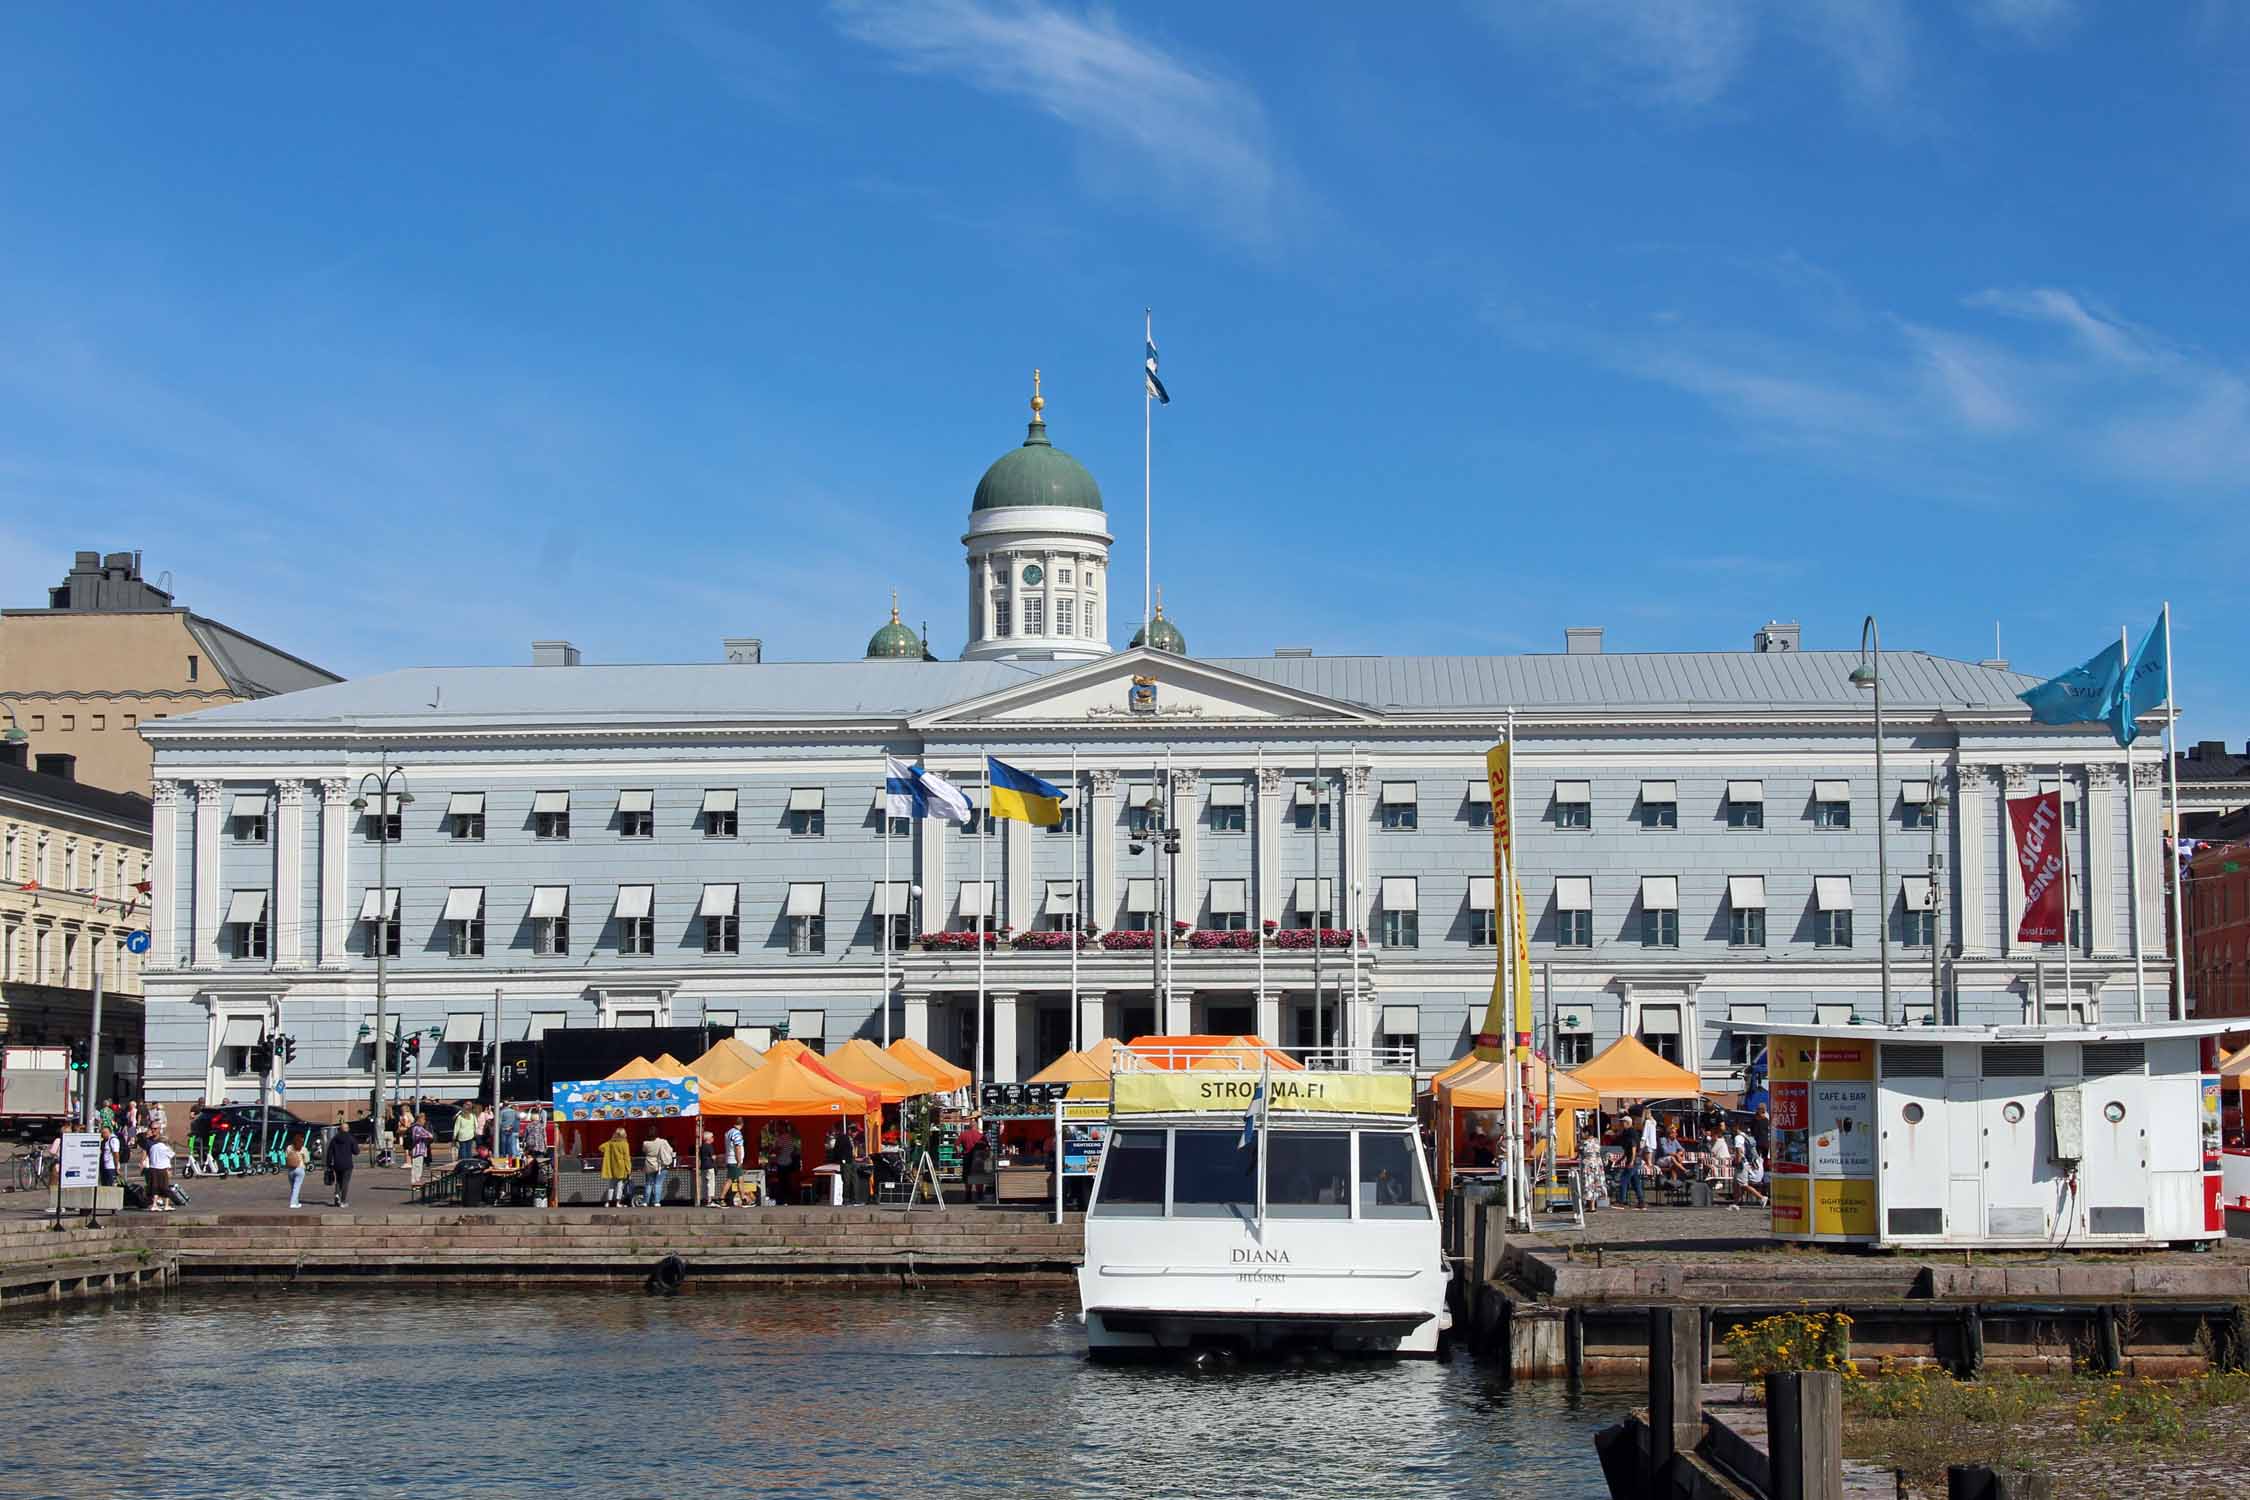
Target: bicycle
point(30, 1170)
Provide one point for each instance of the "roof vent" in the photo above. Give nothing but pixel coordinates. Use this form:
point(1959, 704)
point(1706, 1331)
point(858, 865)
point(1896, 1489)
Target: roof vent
point(63, 766)
point(553, 654)
point(1582, 640)
point(743, 650)
point(1775, 636)
point(1292, 650)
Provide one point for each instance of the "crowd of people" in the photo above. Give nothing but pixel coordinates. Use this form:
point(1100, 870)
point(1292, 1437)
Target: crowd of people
point(737, 1170)
point(1649, 1147)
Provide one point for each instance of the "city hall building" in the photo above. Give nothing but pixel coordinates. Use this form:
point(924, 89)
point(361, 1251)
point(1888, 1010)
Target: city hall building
point(633, 846)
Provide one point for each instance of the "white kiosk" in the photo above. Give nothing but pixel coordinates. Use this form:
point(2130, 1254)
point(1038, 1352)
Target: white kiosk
point(2012, 1137)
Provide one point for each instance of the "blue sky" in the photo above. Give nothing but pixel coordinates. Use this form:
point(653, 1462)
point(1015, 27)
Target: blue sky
point(404, 335)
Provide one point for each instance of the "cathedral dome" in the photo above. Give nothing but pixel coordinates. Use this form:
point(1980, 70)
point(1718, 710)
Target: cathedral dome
point(895, 641)
point(1162, 634)
point(1038, 473)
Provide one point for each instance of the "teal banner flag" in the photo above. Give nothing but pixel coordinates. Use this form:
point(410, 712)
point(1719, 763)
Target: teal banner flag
point(2146, 683)
point(2082, 695)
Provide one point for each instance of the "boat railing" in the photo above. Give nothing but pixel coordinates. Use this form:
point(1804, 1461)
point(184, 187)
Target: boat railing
point(1399, 1059)
point(1241, 1058)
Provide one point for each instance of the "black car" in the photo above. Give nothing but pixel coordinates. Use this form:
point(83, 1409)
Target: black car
point(439, 1115)
point(230, 1117)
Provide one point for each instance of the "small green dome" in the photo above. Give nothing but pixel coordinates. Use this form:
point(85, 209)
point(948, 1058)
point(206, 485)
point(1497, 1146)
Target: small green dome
point(895, 641)
point(1162, 634)
point(1038, 473)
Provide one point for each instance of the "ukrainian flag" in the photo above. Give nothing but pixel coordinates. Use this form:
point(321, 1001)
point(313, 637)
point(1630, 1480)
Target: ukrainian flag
point(1023, 796)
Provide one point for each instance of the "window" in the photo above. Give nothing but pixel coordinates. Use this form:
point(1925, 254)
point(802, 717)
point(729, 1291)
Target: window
point(1399, 805)
point(1917, 809)
point(1746, 804)
point(1034, 614)
point(1229, 810)
point(1479, 803)
point(1574, 911)
point(1316, 908)
point(894, 906)
point(1306, 1174)
point(248, 816)
point(1140, 904)
point(1402, 922)
point(1133, 1174)
point(1062, 573)
point(1574, 1049)
point(1315, 807)
point(101, 721)
point(636, 920)
point(1390, 1178)
point(1065, 615)
point(194, 669)
point(1832, 900)
point(1917, 912)
point(1574, 804)
point(720, 813)
point(379, 910)
point(1660, 911)
point(464, 816)
point(1230, 905)
point(808, 812)
point(636, 814)
point(464, 920)
point(1660, 1031)
point(722, 926)
point(1484, 925)
point(550, 920)
point(977, 906)
point(1746, 911)
point(1660, 804)
point(805, 910)
point(1212, 1177)
point(1067, 825)
point(1832, 804)
point(1061, 911)
point(550, 814)
point(1743, 1047)
point(384, 820)
point(132, 721)
point(1140, 808)
point(1000, 617)
point(246, 920)
point(463, 1041)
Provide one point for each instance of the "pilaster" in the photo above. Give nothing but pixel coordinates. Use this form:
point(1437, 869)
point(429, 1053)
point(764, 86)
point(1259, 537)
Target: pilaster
point(2100, 802)
point(208, 797)
point(918, 1018)
point(1187, 865)
point(933, 842)
point(163, 900)
point(1003, 1037)
point(1274, 787)
point(1101, 833)
point(1971, 854)
point(1019, 911)
point(2148, 830)
point(286, 911)
point(335, 870)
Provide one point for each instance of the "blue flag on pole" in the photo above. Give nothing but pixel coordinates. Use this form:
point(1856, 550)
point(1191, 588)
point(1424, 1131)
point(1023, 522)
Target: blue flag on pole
point(2145, 684)
point(1250, 1118)
point(2081, 695)
point(1148, 368)
point(911, 792)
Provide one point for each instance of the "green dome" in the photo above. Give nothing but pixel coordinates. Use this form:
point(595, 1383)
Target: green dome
point(1038, 473)
point(895, 641)
point(1162, 635)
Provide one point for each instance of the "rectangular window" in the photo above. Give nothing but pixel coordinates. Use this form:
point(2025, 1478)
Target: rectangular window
point(246, 919)
point(1746, 804)
point(1574, 911)
point(1834, 929)
point(1229, 811)
point(550, 936)
point(1832, 900)
point(1306, 1174)
point(1062, 575)
point(1660, 804)
point(1743, 1047)
point(1230, 905)
point(806, 909)
point(1401, 808)
point(1484, 929)
point(388, 934)
point(1402, 918)
point(1211, 1177)
point(1315, 908)
point(1918, 929)
point(1832, 804)
point(1133, 1175)
point(1746, 911)
point(384, 818)
point(808, 812)
point(469, 827)
point(636, 814)
point(250, 828)
point(1660, 927)
point(1390, 1180)
point(464, 920)
point(1034, 614)
point(1574, 804)
point(722, 934)
point(721, 813)
point(194, 669)
point(550, 813)
point(1140, 808)
point(1000, 618)
point(1316, 807)
point(1066, 622)
point(464, 815)
point(1917, 807)
point(1574, 1049)
point(636, 920)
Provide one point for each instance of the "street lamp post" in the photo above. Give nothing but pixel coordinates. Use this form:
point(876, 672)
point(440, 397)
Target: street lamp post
point(1869, 674)
point(383, 795)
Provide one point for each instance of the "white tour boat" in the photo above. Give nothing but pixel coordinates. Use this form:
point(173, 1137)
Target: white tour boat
point(1258, 1209)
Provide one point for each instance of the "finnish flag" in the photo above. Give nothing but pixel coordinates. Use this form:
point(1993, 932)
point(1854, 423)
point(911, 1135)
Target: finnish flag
point(1148, 366)
point(912, 792)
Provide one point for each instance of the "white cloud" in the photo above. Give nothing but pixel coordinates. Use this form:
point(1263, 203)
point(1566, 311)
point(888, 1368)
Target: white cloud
point(1973, 379)
point(1191, 136)
point(2110, 337)
point(1774, 403)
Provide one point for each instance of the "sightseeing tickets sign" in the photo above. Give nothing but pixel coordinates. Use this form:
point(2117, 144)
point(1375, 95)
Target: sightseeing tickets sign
point(2039, 853)
point(1822, 1166)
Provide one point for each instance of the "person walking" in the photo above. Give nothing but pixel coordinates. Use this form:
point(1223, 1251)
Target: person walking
point(1639, 1162)
point(294, 1156)
point(159, 1175)
point(418, 1140)
point(464, 1132)
point(734, 1148)
point(658, 1157)
point(788, 1157)
point(510, 1124)
point(617, 1168)
point(707, 1162)
point(1750, 1168)
point(343, 1151)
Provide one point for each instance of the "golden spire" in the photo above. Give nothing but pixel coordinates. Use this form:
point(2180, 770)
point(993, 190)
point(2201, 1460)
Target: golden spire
point(1160, 601)
point(894, 606)
point(1038, 402)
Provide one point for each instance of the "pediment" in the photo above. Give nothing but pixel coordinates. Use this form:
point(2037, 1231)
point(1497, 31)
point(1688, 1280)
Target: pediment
point(1145, 687)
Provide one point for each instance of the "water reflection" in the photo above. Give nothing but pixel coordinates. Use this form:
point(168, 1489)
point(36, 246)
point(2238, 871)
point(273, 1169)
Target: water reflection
point(813, 1393)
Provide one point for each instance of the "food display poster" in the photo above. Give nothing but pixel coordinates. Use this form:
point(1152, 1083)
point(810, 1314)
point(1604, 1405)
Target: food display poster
point(628, 1099)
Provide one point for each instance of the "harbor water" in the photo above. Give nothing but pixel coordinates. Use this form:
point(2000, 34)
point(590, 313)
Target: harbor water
point(803, 1392)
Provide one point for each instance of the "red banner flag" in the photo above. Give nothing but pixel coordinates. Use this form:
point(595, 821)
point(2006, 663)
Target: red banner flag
point(2039, 853)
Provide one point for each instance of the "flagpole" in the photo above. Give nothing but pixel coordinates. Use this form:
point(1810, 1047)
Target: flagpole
point(984, 915)
point(1076, 925)
point(1265, 1115)
point(885, 917)
point(2133, 856)
point(2178, 1010)
point(1320, 915)
point(1257, 904)
point(1514, 1064)
point(1148, 545)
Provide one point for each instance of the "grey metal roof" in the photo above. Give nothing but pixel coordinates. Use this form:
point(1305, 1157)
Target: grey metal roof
point(896, 689)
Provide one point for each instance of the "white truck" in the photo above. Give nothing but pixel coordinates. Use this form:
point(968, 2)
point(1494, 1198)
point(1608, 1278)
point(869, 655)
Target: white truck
point(36, 1095)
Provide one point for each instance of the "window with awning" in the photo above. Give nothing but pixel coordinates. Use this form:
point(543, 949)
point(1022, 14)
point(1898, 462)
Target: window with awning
point(1660, 892)
point(1746, 892)
point(894, 899)
point(246, 907)
point(464, 903)
point(808, 1026)
point(1832, 892)
point(720, 799)
point(640, 800)
point(1660, 1020)
point(464, 1026)
point(807, 799)
point(1481, 889)
point(550, 802)
point(1832, 791)
point(1660, 791)
point(1914, 793)
point(1307, 900)
point(1401, 1020)
point(1062, 896)
point(635, 901)
point(387, 900)
point(1747, 1010)
point(1399, 892)
point(718, 901)
point(549, 901)
point(1140, 895)
point(248, 805)
point(1399, 793)
point(242, 1031)
point(1229, 896)
point(1229, 794)
point(1574, 791)
point(976, 898)
point(1572, 892)
point(465, 805)
point(805, 898)
point(544, 1021)
point(1480, 793)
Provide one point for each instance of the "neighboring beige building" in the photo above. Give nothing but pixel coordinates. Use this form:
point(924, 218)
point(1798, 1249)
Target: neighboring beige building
point(112, 652)
point(73, 859)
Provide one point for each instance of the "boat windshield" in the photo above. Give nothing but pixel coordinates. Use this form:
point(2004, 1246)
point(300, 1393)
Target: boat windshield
point(1192, 1172)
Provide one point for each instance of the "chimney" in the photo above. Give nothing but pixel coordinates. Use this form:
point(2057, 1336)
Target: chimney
point(1582, 640)
point(16, 753)
point(57, 764)
point(1775, 637)
point(1292, 650)
point(743, 650)
point(553, 654)
point(2208, 750)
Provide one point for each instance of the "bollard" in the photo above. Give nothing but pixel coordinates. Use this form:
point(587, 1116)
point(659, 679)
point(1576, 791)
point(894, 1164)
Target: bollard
point(1675, 1385)
point(1805, 1434)
point(1976, 1482)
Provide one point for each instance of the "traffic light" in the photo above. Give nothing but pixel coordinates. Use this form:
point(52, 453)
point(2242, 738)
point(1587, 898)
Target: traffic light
point(288, 1048)
point(414, 1045)
point(77, 1057)
point(261, 1057)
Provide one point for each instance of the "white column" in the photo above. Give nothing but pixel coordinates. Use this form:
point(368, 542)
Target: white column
point(288, 905)
point(1269, 1016)
point(918, 1018)
point(1358, 812)
point(1091, 1022)
point(1019, 912)
point(164, 883)
point(2015, 781)
point(335, 897)
point(2148, 809)
point(1101, 894)
point(1003, 1037)
point(937, 897)
point(1970, 856)
point(208, 795)
point(2100, 800)
point(1274, 788)
point(1187, 898)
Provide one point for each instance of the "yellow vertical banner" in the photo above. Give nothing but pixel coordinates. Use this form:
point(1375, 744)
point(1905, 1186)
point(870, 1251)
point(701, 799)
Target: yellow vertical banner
point(1497, 1037)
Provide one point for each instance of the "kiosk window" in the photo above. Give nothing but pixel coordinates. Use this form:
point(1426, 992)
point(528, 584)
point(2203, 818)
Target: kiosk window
point(1305, 1174)
point(1132, 1176)
point(1390, 1185)
point(1213, 1175)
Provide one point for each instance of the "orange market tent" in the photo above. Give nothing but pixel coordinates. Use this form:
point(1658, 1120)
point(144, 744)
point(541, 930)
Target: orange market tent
point(1455, 1068)
point(1189, 1052)
point(788, 1085)
point(931, 1066)
point(730, 1058)
point(2234, 1073)
point(862, 1062)
point(1076, 1067)
point(666, 1066)
point(1484, 1088)
point(1627, 1069)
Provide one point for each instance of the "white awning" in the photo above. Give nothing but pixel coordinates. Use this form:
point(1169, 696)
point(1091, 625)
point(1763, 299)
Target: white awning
point(1660, 791)
point(383, 803)
point(1229, 794)
point(635, 900)
point(549, 900)
point(1062, 897)
point(464, 903)
point(1140, 895)
point(2049, 784)
point(1305, 898)
point(544, 1021)
point(1917, 891)
point(1834, 1013)
point(1304, 794)
point(242, 1031)
point(550, 802)
point(1660, 892)
point(1746, 1010)
point(1660, 1020)
point(808, 1025)
point(1480, 793)
point(389, 900)
point(1401, 1020)
point(1832, 791)
point(807, 799)
point(882, 802)
point(1914, 793)
point(638, 800)
point(1229, 896)
point(1574, 893)
point(1832, 892)
point(720, 799)
point(1480, 892)
point(718, 901)
point(1397, 793)
point(805, 898)
point(1746, 892)
point(976, 898)
point(1140, 794)
point(246, 907)
point(465, 805)
point(464, 1026)
point(1746, 791)
point(249, 805)
point(1398, 893)
point(633, 1020)
point(894, 899)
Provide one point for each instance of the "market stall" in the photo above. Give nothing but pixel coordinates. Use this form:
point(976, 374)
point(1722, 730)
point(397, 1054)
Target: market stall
point(2234, 1130)
point(588, 1112)
point(1090, 1066)
point(794, 1093)
point(728, 1059)
point(921, 1059)
point(1471, 1113)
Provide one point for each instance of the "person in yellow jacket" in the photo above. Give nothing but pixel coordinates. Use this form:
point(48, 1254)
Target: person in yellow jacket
point(617, 1169)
